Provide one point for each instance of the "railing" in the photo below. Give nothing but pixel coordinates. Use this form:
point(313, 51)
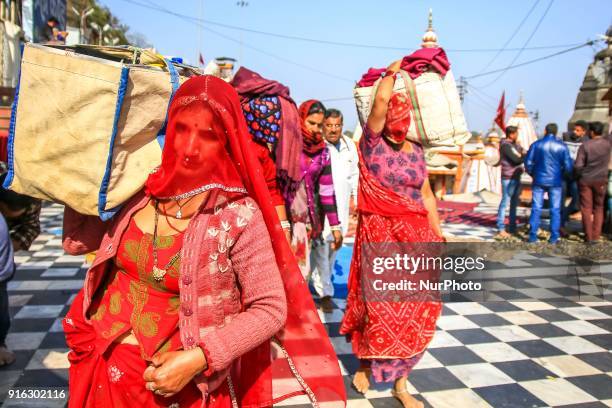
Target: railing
point(10, 10)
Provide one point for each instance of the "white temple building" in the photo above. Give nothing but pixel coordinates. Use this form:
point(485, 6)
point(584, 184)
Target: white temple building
point(526, 131)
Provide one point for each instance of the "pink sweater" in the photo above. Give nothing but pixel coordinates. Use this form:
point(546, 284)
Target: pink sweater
point(232, 296)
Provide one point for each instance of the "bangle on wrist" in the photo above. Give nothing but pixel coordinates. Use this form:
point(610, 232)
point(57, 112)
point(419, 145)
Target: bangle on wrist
point(285, 224)
point(389, 73)
point(336, 228)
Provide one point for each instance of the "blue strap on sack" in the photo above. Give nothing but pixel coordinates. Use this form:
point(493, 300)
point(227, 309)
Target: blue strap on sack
point(161, 136)
point(174, 80)
point(11, 134)
point(106, 215)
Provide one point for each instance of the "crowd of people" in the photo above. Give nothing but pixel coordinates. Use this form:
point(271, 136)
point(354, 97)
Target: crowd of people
point(577, 168)
point(198, 293)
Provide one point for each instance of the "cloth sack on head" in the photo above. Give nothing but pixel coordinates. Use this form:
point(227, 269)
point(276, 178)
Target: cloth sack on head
point(437, 117)
point(87, 126)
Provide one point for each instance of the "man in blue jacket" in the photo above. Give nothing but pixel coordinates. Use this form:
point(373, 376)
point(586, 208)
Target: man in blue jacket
point(548, 162)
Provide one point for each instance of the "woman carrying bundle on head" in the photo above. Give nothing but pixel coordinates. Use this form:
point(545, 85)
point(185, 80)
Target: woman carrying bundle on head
point(273, 122)
point(194, 298)
point(395, 205)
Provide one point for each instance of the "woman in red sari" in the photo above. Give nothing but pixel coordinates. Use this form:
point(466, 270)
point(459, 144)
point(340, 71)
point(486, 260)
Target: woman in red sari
point(395, 204)
point(194, 298)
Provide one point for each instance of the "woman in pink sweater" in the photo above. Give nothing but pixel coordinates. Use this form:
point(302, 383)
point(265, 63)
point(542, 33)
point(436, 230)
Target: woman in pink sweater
point(186, 302)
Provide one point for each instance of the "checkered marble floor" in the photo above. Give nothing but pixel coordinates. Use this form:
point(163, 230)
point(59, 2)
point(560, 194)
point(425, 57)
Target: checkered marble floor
point(485, 233)
point(518, 353)
point(475, 231)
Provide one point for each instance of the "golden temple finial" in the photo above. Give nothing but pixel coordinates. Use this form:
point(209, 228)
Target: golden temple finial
point(430, 39)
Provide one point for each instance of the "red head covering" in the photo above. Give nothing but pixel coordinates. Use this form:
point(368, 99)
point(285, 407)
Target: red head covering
point(398, 119)
point(171, 179)
point(265, 379)
point(313, 141)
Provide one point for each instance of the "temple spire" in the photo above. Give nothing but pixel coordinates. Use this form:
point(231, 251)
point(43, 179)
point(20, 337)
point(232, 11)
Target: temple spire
point(430, 38)
point(521, 110)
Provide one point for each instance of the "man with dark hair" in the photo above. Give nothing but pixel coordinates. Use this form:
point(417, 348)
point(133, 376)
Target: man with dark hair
point(592, 171)
point(345, 173)
point(573, 141)
point(579, 131)
point(22, 214)
point(51, 32)
point(548, 162)
point(511, 158)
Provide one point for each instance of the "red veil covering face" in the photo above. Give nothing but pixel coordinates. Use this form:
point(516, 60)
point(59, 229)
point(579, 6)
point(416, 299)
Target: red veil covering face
point(300, 358)
point(387, 329)
point(397, 121)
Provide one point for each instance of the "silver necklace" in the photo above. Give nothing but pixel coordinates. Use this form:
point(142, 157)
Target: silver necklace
point(159, 273)
point(179, 213)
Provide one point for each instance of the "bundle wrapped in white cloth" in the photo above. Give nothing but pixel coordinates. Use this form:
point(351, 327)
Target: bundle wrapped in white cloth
point(436, 116)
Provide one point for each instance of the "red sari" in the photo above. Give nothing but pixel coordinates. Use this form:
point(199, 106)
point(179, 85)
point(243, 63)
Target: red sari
point(297, 360)
point(384, 329)
point(111, 374)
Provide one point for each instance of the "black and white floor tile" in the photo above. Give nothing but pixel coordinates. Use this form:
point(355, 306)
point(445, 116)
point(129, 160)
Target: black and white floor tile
point(550, 352)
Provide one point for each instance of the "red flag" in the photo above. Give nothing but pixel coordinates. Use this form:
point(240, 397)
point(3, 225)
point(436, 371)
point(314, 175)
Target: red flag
point(201, 59)
point(500, 115)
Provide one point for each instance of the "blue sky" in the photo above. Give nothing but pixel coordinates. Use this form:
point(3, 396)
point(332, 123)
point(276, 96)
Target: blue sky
point(550, 86)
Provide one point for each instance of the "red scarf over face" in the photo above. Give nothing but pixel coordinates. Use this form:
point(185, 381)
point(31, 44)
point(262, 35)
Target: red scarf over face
point(198, 161)
point(313, 141)
point(213, 159)
point(398, 119)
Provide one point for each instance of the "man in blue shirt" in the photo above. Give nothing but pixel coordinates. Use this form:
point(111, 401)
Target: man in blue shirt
point(548, 162)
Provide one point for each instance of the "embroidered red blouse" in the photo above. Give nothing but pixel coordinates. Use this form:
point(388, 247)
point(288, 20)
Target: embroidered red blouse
point(133, 299)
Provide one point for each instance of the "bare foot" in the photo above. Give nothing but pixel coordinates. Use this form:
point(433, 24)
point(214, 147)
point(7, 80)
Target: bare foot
point(401, 393)
point(6, 356)
point(361, 380)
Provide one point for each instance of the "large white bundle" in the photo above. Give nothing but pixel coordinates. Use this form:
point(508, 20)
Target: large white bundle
point(436, 119)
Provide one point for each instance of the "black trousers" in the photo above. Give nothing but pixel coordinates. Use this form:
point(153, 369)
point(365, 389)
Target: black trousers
point(5, 320)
